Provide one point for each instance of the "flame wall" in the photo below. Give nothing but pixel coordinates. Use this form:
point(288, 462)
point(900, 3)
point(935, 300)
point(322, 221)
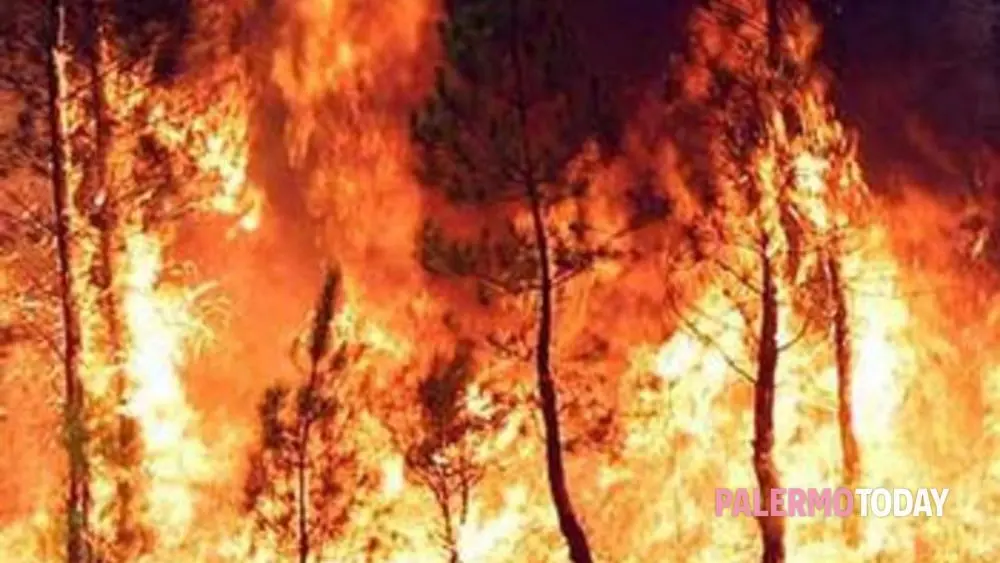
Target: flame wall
point(308, 145)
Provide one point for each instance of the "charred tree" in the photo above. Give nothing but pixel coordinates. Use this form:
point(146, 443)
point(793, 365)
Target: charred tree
point(510, 111)
point(308, 411)
point(78, 494)
point(439, 460)
point(70, 134)
point(752, 132)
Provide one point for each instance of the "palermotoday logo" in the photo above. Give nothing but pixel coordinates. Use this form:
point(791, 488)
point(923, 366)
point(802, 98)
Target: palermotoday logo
point(841, 502)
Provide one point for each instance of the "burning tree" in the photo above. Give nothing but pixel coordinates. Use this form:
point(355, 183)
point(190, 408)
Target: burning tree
point(77, 500)
point(446, 455)
point(785, 196)
point(824, 195)
point(116, 182)
point(45, 141)
point(510, 112)
point(118, 120)
point(302, 478)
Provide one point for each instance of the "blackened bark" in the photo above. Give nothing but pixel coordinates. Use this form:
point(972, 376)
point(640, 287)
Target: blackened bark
point(77, 499)
point(772, 528)
point(569, 525)
point(101, 196)
point(845, 409)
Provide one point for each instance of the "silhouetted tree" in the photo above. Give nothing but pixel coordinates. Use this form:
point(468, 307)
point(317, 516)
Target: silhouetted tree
point(511, 110)
point(445, 455)
point(303, 474)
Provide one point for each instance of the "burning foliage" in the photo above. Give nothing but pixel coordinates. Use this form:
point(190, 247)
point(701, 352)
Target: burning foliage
point(448, 455)
point(542, 340)
point(300, 484)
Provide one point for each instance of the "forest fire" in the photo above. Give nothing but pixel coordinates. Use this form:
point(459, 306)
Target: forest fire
point(456, 314)
point(174, 459)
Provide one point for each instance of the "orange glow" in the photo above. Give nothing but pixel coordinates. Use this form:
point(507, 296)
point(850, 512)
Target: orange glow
point(174, 458)
point(654, 348)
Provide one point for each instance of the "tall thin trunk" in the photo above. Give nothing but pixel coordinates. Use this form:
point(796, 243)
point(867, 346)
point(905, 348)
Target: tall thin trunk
point(302, 468)
point(845, 411)
point(303, 505)
point(100, 189)
point(772, 528)
point(128, 538)
point(576, 539)
point(77, 499)
point(569, 525)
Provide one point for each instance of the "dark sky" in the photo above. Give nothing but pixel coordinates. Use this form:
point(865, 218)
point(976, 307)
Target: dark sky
point(633, 37)
point(893, 61)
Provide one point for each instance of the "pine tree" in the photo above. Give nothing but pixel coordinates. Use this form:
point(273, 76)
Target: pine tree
point(780, 241)
point(77, 501)
point(511, 110)
point(771, 527)
point(758, 119)
point(443, 454)
point(119, 441)
point(303, 475)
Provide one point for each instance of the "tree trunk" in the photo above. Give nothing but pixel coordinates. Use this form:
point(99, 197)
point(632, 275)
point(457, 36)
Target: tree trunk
point(302, 469)
point(303, 508)
point(773, 34)
point(77, 500)
point(772, 528)
point(451, 536)
point(102, 200)
point(569, 525)
point(845, 411)
point(576, 539)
